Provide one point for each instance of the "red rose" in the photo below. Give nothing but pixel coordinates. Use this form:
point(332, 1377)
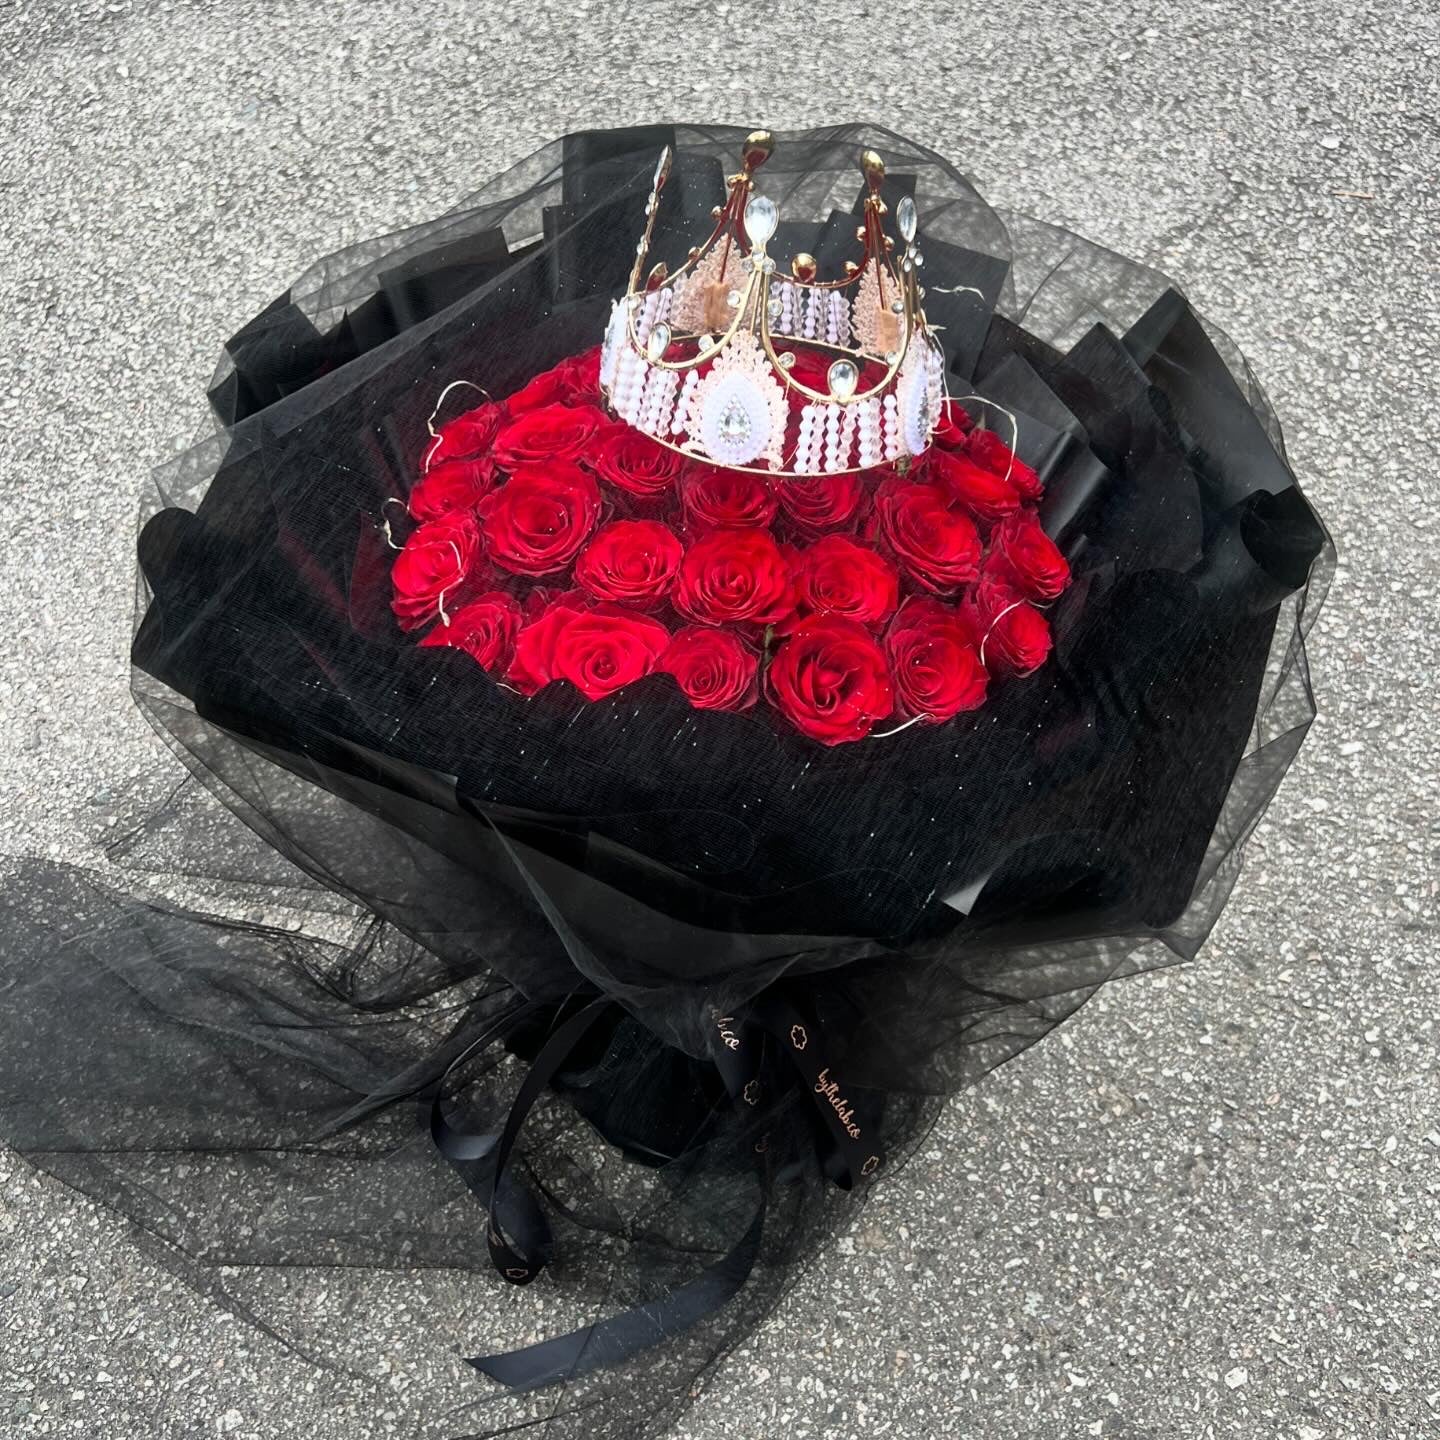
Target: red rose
point(533, 666)
point(822, 502)
point(468, 436)
point(715, 669)
point(580, 376)
point(433, 564)
point(830, 680)
point(1024, 555)
point(991, 453)
point(934, 662)
point(984, 494)
point(1012, 635)
point(575, 381)
point(536, 524)
point(485, 629)
point(838, 577)
point(935, 544)
point(603, 649)
point(952, 426)
point(734, 575)
point(546, 388)
point(550, 432)
point(719, 499)
point(634, 462)
point(630, 561)
point(450, 486)
point(597, 649)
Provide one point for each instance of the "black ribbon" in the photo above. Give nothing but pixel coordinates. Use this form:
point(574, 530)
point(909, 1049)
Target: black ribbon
point(516, 1229)
point(608, 1342)
point(857, 1153)
point(519, 1236)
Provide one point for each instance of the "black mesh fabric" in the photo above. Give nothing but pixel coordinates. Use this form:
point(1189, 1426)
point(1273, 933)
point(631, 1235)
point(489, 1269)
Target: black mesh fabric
point(476, 864)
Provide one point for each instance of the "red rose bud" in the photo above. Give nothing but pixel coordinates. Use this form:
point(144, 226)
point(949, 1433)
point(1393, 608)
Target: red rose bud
point(715, 669)
point(830, 680)
point(536, 524)
point(933, 661)
point(730, 576)
point(601, 650)
point(982, 493)
point(836, 576)
point(934, 543)
point(823, 502)
point(432, 565)
point(533, 665)
point(485, 629)
point(634, 462)
point(633, 562)
point(468, 436)
point(719, 499)
point(551, 432)
point(991, 453)
point(451, 486)
point(1012, 636)
point(1025, 556)
point(952, 426)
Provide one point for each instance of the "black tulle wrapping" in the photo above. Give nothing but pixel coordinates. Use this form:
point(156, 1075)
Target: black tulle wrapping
point(933, 901)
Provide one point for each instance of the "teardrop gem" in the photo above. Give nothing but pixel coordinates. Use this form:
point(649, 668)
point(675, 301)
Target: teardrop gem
point(659, 342)
point(906, 218)
point(762, 215)
point(843, 377)
point(734, 423)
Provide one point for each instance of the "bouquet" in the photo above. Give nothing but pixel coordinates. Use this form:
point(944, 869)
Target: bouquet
point(745, 651)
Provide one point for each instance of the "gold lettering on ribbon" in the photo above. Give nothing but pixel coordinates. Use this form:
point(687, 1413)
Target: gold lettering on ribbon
point(844, 1112)
point(728, 1038)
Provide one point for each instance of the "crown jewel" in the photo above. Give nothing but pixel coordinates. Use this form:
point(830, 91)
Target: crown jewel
point(704, 360)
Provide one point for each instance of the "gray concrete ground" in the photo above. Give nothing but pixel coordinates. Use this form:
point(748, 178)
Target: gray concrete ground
point(1208, 1207)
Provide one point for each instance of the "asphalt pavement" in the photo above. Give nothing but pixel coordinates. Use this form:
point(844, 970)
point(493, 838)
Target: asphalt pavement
point(1210, 1205)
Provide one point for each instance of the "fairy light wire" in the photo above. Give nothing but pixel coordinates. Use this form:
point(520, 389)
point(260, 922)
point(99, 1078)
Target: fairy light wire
point(439, 405)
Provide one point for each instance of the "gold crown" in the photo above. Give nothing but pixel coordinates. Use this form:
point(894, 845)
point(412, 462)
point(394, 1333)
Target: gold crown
point(703, 360)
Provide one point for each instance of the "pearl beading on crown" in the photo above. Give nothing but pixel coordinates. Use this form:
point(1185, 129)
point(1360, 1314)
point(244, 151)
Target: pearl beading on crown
point(701, 360)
